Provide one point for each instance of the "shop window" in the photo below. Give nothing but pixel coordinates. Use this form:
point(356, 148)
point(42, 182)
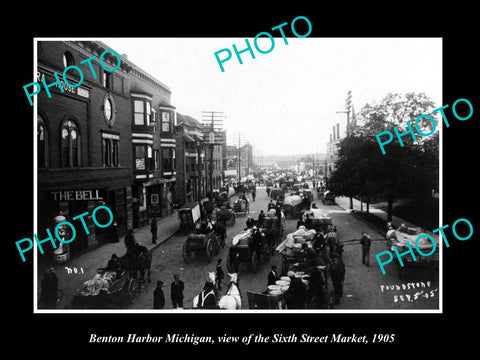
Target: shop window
point(41, 144)
point(143, 157)
point(70, 144)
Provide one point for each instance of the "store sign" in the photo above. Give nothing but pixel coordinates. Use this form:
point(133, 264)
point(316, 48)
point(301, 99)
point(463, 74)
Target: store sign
point(76, 195)
point(72, 90)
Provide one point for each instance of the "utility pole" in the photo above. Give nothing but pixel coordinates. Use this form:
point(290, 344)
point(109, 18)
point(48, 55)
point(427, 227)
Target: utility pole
point(213, 123)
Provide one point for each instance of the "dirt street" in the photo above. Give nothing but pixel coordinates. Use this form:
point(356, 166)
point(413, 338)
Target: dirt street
point(365, 288)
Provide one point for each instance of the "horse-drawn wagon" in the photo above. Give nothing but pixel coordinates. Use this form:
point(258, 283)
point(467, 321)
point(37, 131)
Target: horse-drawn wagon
point(399, 239)
point(294, 204)
point(225, 216)
point(245, 250)
point(188, 216)
point(241, 206)
point(208, 244)
point(114, 286)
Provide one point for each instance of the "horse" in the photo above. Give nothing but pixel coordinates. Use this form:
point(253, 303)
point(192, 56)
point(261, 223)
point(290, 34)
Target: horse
point(232, 299)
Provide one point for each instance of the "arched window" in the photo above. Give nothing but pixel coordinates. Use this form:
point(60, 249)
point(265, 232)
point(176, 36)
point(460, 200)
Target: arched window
point(41, 144)
point(70, 143)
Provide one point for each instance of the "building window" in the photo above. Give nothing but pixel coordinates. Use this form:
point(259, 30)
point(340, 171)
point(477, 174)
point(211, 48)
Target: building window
point(143, 157)
point(166, 122)
point(41, 143)
point(110, 144)
point(142, 112)
point(70, 143)
point(68, 59)
point(168, 159)
point(107, 80)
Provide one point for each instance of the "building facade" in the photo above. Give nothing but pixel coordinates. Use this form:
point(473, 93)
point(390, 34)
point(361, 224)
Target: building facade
point(190, 160)
point(83, 139)
point(153, 147)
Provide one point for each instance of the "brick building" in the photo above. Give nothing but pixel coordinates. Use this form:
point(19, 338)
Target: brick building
point(108, 141)
point(190, 160)
point(153, 144)
point(84, 139)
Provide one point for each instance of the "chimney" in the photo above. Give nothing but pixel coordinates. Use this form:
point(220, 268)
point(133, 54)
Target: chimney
point(338, 131)
point(333, 132)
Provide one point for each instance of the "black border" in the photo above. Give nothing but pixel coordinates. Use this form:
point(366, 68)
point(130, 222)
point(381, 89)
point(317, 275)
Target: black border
point(425, 334)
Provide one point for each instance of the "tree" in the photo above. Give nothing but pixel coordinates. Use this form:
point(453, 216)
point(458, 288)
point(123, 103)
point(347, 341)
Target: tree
point(410, 171)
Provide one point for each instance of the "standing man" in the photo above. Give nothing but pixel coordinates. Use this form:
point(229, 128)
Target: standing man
point(153, 229)
point(272, 276)
point(176, 292)
point(365, 242)
point(254, 194)
point(158, 296)
point(48, 295)
point(220, 275)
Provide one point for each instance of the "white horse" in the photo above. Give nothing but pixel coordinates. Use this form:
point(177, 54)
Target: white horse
point(232, 299)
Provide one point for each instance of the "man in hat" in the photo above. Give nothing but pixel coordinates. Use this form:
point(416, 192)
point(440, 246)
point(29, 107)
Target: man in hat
point(158, 296)
point(272, 276)
point(176, 292)
point(153, 229)
point(365, 242)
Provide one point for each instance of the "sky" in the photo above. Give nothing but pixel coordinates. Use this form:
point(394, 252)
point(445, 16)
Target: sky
point(286, 101)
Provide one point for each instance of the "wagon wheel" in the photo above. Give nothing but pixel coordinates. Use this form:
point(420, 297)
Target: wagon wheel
point(216, 244)
point(187, 255)
point(132, 289)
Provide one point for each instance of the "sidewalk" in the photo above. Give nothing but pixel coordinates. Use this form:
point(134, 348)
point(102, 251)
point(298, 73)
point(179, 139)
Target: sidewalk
point(84, 267)
point(344, 202)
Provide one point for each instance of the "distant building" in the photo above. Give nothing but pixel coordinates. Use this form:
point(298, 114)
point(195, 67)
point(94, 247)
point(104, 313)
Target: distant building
point(190, 156)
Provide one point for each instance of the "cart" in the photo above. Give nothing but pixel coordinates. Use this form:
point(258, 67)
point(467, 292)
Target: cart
point(225, 216)
point(188, 216)
point(273, 229)
point(431, 262)
point(243, 253)
point(208, 244)
point(241, 206)
point(328, 197)
point(264, 300)
point(294, 204)
point(107, 290)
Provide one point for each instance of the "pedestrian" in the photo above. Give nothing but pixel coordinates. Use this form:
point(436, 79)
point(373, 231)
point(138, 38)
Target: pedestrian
point(250, 222)
point(268, 191)
point(49, 289)
point(271, 205)
point(153, 229)
point(272, 276)
point(253, 195)
point(338, 276)
point(114, 233)
point(130, 241)
point(296, 294)
point(220, 275)
point(158, 296)
point(308, 222)
point(176, 292)
point(261, 216)
point(365, 241)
